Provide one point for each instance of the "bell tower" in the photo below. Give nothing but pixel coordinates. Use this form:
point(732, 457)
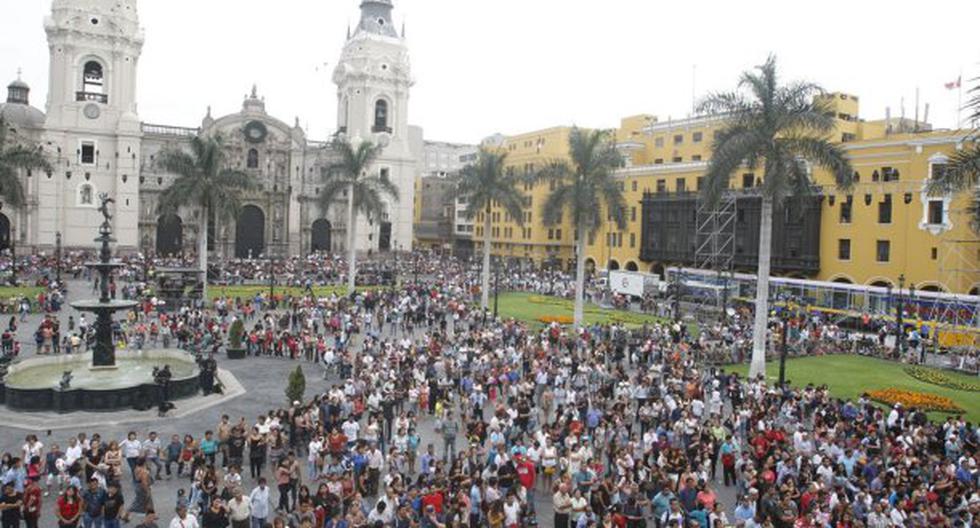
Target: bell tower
point(373, 79)
point(92, 123)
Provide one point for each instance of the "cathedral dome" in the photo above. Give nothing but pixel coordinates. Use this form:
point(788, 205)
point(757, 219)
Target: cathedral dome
point(17, 111)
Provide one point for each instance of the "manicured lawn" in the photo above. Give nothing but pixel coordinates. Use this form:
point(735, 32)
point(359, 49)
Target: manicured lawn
point(31, 292)
point(531, 307)
point(850, 376)
point(251, 290)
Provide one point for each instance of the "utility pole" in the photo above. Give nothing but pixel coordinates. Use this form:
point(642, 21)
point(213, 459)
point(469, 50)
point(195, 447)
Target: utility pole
point(784, 345)
point(272, 277)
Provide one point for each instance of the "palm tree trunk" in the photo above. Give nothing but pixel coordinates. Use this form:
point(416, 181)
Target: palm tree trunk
point(485, 286)
point(580, 278)
point(202, 250)
point(760, 336)
point(351, 248)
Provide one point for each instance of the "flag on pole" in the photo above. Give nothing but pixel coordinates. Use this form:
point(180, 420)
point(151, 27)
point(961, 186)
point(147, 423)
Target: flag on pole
point(955, 84)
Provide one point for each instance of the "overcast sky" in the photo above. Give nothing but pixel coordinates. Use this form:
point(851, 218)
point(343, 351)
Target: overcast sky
point(513, 66)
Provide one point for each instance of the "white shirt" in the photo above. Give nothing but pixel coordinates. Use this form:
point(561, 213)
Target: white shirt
point(189, 521)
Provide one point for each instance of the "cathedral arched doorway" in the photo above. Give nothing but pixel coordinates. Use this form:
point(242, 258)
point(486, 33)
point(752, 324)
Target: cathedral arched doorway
point(320, 236)
point(250, 233)
point(170, 235)
point(4, 232)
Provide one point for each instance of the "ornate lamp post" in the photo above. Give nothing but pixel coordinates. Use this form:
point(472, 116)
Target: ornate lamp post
point(899, 314)
point(57, 243)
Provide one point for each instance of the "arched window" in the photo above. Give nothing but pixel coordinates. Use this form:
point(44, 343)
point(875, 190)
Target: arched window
point(381, 116)
point(86, 194)
point(93, 79)
point(253, 159)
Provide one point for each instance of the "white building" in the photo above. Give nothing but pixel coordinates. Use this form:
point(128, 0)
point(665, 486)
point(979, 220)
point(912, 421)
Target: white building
point(97, 143)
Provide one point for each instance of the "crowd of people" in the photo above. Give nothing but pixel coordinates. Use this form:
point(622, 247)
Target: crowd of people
point(433, 414)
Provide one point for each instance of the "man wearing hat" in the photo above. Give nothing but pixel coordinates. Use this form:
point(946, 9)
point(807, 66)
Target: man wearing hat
point(183, 519)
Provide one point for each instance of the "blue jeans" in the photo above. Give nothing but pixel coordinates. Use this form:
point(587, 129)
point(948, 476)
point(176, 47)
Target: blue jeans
point(110, 523)
point(258, 522)
point(91, 522)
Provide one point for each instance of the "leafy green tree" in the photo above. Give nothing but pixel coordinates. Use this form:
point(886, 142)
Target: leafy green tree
point(235, 334)
point(350, 177)
point(296, 385)
point(13, 159)
point(203, 181)
point(482, 183)
point(962, 174)
point(585, 187)
point(782, 128)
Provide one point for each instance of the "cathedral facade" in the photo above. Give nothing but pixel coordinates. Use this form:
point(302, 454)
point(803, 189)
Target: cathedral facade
point(97, 143)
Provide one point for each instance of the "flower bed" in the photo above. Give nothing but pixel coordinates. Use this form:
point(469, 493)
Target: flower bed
point(609, 315)
point(560, 319)
point(941, 379)
point(919, 400)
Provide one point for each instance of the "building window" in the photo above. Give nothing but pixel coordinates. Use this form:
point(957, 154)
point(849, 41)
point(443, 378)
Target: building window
point(86, 154)
point(633, 185)
point(679, 139)
point(632, 240)
point(845, 210)
point(885, 210)
point(748, 181)
point(381, 116)
point(697, 137)
point(385, 174)
point(700, 183)
point(938, 171)
point(632, 214)
point(883, 251)
point(677, 159)
point(661, 186)
point(557, 234)
point(844, 249)
point(658, 161)
point(696, 157)
point(658, 142)
point(253, 159)
point(934, 253)
point(936, 212)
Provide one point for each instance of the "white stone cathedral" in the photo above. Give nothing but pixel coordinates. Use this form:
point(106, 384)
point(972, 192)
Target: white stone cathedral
point(97, 143)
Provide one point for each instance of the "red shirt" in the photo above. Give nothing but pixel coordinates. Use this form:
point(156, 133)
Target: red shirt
point(526, 474)
point(434, 500)
point(68, 510)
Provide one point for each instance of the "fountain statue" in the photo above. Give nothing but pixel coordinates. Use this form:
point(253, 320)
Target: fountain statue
point(103, 382)
point(104, 351)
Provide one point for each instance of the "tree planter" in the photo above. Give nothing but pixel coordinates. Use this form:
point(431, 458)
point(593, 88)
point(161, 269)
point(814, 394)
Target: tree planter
point(235, 353)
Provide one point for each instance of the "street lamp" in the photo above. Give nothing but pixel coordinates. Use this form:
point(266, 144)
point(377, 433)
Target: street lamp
point(900, 309)
point(57, 243)
point(496, 286)
point(789, 311)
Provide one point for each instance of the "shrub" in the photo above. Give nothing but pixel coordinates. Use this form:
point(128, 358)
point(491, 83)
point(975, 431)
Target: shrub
point(941, 379)
point(919, 400)
point(297, 385)
point(235, 334)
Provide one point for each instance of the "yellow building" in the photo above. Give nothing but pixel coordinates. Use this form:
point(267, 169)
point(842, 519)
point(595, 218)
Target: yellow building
point(886, 227)
point(532, 241)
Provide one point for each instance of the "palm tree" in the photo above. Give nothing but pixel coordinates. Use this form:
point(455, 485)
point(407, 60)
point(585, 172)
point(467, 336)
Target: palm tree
point(963, 171)
point(585, 186)
point(483, 183)
point(364, 192)
point(782, 128)
point(203, 181)
point(13, 159)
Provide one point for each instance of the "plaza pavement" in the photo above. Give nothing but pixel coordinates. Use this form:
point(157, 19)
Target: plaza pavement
point(264, 382)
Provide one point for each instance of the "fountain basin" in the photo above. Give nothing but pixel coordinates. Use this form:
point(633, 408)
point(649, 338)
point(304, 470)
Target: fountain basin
point(33, 384)
point(95, 305)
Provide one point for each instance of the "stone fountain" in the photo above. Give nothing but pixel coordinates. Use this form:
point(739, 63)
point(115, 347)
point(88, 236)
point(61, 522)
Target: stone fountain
point(98, 380)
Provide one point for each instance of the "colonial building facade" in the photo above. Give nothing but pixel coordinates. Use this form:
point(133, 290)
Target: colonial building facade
point(98, 143)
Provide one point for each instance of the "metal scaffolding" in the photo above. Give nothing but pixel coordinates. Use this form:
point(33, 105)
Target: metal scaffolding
point(715, 249)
